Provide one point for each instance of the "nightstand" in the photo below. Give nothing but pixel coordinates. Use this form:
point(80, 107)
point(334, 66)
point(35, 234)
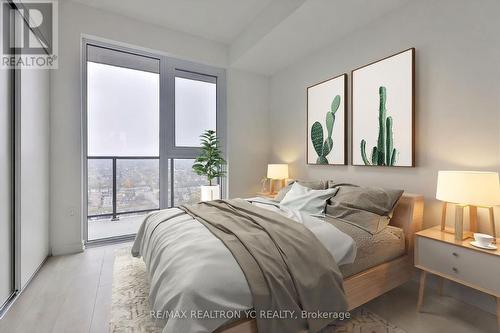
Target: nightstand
point(438, 253)
point(267, 195)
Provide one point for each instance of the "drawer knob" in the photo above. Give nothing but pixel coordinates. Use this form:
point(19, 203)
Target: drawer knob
point(455, 269)
point(455, 254)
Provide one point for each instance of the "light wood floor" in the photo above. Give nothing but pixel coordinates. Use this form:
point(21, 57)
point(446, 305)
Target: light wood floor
point(73, 294)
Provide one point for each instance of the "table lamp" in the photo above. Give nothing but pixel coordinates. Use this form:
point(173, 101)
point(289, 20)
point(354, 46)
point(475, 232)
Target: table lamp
point(277, 172)
point(470, 189)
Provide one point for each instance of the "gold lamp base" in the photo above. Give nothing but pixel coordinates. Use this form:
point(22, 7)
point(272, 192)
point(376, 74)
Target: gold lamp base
point(459, 232)
point(272, 187)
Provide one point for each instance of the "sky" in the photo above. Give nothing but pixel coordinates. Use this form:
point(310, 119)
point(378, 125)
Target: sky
point(123, 111)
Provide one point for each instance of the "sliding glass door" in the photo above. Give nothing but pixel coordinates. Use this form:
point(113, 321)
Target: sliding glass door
point(6, 186)
point(144, 117)
point(123, 119)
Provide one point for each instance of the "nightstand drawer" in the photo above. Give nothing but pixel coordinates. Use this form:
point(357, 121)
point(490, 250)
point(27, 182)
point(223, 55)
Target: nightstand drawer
point(474, 268)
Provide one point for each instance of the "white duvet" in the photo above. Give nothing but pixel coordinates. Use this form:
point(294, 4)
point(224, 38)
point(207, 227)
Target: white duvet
point(196, 284)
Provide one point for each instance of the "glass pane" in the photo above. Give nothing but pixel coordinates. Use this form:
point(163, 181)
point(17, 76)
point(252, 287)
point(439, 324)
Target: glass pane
point(100, 186)
point(195, 110)
point(123, 111)
point(186, 182)
point(137, 185)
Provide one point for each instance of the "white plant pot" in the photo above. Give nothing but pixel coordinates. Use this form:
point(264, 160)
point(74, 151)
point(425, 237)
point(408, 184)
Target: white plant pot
point(209, 193)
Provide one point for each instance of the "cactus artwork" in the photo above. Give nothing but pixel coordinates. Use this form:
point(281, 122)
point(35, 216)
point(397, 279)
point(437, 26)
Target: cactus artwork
point(384, 152)
point(323, 148)
point(384, 136)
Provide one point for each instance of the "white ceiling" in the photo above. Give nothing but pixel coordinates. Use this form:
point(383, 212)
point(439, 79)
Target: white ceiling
point(262, 36)
point(217, 20)
point(312, 26)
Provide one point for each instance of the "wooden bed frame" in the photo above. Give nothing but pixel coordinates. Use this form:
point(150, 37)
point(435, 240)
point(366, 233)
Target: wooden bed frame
point(367, 285)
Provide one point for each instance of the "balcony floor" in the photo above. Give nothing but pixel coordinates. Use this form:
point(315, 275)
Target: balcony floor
point(105, 228)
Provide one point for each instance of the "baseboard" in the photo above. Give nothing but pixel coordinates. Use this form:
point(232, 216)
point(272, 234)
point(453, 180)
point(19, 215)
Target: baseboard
point(70, 248)
point(108, 241)
point(8, 303)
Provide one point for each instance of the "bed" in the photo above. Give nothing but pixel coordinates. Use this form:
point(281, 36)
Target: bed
point(364, 279)
point(365, 285)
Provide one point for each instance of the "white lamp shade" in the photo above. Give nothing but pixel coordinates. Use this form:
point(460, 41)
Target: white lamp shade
point(468, 188)
point(277, 171)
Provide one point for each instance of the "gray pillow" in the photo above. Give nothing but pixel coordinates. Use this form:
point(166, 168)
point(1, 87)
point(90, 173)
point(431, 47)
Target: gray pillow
point(369, 208)
point(312, 184)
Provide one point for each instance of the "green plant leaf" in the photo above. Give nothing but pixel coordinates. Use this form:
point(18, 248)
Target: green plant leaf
point(210, 160)
point(384, 153)
point(317, 137)
point(322, 160)
point(335, 104)
point(389, 140)
point(327, 147)
point(375, 156)
point(394, 156)
point(363, 152)
point(330, 120)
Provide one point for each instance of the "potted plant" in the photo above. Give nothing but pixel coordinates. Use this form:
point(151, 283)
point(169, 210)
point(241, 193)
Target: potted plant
point(209, 163)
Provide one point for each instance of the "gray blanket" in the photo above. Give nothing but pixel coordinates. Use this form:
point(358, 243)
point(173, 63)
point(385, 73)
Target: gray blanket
point(291, 275)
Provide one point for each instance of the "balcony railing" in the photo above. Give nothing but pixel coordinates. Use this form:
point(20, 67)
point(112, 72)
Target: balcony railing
point(136, 177)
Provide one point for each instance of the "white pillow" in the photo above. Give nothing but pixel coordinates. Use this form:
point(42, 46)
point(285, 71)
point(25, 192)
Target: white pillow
point(307, 200)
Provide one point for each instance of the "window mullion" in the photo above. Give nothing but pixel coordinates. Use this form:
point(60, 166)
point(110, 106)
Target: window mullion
point(166, 128)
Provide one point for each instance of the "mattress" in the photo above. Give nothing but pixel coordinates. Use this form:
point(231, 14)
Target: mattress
point(372, 250)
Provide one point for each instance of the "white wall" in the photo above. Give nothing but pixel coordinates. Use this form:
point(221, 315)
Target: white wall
point(248, 131)
point(34, 170)
point(77, 19)
point(457, 94)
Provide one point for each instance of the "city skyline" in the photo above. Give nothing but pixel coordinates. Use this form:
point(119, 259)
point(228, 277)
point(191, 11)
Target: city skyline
point(138, 185)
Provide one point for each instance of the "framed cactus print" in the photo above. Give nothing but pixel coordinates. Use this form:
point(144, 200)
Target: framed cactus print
point(326, 122)
point(383, 112)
